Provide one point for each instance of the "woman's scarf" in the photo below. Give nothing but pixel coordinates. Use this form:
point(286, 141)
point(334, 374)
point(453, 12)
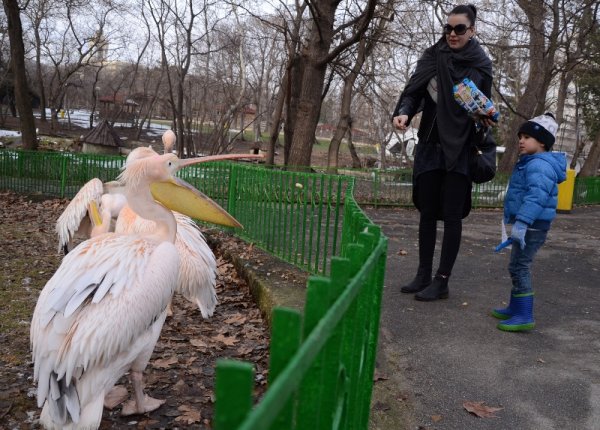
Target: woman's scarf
point(450, 67)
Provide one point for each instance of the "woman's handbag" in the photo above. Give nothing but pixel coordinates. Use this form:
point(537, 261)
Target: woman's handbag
point(482, 156)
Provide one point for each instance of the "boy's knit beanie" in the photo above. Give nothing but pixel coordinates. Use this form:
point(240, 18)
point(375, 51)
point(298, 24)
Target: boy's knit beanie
point(542, 128)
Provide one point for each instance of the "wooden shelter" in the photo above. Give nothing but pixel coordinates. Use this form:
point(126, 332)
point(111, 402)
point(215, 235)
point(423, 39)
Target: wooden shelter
point(102, 139)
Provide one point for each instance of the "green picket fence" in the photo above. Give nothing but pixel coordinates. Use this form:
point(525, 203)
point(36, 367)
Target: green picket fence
point(295, 216)
point(394, 188)
point(322, 360)
point(587, 191)
point(58, 174)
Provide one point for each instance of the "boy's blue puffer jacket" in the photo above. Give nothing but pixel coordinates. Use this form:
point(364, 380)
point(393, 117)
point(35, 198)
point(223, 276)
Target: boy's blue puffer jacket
point(532, 191)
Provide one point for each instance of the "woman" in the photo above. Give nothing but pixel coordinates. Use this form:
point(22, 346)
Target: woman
point(441, 182)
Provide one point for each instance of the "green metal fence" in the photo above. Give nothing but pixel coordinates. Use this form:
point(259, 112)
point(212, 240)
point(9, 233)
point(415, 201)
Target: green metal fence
point(587, 191)
point(394, 188)
point(296, 216)
point(59, 174)
point(321, 361)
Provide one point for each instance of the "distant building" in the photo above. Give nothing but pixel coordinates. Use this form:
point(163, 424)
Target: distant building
point(118, 108)
point(102, 139)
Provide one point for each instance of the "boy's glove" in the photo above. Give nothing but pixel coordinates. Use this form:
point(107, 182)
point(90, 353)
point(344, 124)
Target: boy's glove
point(504, 244)
point(517, 233)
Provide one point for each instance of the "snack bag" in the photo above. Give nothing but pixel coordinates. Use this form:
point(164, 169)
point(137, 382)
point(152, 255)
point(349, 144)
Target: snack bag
point(474, 101)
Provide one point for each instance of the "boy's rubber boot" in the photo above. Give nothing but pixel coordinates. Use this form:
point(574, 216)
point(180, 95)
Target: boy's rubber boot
point(504, 313)
point(437, 290)
point(422, 280)
point(522, 319)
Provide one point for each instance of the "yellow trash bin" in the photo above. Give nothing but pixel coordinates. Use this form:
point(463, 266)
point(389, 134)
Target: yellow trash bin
point(565, 192)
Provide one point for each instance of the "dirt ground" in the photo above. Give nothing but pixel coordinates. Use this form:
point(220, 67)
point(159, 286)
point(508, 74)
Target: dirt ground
point(182, 366)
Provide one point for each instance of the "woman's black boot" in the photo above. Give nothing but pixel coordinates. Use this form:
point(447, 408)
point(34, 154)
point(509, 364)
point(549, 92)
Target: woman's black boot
point(422, 280)
point(437, 290)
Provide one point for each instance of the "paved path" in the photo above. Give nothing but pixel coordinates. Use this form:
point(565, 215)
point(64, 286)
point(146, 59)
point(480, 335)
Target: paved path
point(434, 356)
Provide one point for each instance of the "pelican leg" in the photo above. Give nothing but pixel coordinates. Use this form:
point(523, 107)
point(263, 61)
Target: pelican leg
point(117, 395)
point(141, 403)
point(170, 309)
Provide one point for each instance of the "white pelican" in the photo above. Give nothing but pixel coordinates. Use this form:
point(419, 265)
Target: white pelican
point(101, 313)
point(198, 266)
point(197, 276)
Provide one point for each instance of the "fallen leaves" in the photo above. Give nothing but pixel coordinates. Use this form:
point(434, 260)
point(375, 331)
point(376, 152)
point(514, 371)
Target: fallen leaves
point(164, 363)
point(227, 340)
point(480, 409)
point(189, 415)
point(236, 320)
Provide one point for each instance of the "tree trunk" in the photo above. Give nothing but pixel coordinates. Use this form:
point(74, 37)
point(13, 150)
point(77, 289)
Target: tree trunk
point(321, 36)
point(39, 74)
point(590, 167)
point(179, 121)
point(17, 55)
point(294, 88)
point(345, 116)
point(276, 121)
point(355, 160)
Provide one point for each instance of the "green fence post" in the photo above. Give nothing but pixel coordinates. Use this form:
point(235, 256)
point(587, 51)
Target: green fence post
point(375, 188)
point(63, 177)
point(232, 191)
point(372, 292)
point(286, 336)
point(233, 393)
point(333, 383)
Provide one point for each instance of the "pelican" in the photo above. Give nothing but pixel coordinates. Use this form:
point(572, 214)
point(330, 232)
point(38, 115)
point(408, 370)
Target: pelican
point(197, 279)
point(198, 266)
point(101, 313)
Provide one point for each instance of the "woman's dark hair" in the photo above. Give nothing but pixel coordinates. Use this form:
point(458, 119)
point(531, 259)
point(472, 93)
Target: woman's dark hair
point(466, 9)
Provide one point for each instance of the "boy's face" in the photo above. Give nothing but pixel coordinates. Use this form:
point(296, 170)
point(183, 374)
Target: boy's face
point(529, 145)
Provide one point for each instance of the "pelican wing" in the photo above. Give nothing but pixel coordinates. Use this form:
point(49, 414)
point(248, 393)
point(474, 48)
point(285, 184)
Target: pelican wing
point(198, 267)
point(106, 293)
point(74, 215)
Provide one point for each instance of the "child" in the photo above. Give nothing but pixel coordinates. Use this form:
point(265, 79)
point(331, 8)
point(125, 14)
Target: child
point(530, 206)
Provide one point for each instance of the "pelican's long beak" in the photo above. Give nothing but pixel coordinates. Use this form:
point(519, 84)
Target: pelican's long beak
point(178, 195)
point(181, 197)
point(190, 161)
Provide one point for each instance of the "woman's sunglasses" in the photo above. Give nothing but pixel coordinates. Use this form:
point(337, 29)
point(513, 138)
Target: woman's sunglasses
point(459, 29)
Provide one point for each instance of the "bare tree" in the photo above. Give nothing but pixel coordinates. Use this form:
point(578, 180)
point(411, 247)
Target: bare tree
point(17, 55)
point(317, 55)
point(364, 49)
point(542, 49)
point(39, 13)
point(72, 46)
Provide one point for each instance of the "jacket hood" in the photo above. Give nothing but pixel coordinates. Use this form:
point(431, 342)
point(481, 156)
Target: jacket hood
point(557, 160)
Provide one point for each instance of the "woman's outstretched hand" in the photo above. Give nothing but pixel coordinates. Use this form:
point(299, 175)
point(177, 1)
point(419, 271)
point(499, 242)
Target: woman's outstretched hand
point(400, 122)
